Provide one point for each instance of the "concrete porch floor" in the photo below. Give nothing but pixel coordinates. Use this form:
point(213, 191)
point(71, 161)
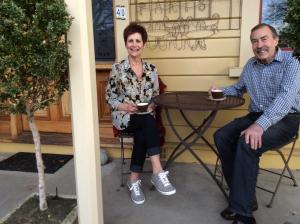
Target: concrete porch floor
point(197, 201)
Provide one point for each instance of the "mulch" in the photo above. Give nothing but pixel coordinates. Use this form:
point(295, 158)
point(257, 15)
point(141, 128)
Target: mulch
point(26, 162)
point(29, 213)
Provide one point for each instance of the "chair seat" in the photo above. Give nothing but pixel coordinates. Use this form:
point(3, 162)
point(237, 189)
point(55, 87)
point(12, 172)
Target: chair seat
point(122, 133)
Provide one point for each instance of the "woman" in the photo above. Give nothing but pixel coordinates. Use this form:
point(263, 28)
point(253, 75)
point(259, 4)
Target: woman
point(133, 81)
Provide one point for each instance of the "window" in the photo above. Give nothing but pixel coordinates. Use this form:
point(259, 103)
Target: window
point(104, 39)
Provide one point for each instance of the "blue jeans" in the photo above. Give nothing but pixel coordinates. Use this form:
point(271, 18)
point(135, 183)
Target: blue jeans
point(146, 140)
point(240, 163)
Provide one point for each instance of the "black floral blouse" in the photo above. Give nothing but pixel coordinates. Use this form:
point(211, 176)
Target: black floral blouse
point(124, 87)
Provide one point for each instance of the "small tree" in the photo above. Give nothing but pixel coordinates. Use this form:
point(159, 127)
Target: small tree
point(33, 62)
point(291, 32)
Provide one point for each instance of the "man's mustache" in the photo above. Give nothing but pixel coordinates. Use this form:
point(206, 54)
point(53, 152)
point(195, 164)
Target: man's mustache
point(259, 50)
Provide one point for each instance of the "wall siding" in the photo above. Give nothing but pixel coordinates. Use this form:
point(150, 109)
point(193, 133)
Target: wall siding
point(196, 70)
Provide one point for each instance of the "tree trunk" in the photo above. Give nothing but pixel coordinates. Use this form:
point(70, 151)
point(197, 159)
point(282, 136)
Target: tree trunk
point(39, 160)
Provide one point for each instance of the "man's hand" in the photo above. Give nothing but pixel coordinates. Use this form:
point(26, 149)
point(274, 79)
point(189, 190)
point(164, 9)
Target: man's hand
point(253, 136)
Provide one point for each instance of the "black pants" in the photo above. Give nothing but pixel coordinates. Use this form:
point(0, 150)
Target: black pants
point(240, 163)
point(146, 140)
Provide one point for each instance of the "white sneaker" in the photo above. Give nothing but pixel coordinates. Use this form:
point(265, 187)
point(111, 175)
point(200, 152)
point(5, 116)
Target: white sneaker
point(136, 192)
point(162, 183)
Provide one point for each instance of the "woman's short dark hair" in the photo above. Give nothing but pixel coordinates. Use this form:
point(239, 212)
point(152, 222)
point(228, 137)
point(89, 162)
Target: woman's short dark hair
point(261, 25)
point(135, 28)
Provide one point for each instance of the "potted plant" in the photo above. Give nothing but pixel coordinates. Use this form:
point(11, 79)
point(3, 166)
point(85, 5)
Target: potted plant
point(33, 63)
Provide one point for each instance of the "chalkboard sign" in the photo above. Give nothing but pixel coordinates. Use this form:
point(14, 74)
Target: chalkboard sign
point(104, 39)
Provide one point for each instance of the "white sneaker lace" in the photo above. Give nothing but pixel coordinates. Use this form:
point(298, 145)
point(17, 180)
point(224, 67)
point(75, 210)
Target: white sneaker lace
point(163, 176)
point(136, 187)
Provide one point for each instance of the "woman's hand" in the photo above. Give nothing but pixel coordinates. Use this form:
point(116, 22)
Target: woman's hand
point(129, 107)
point(132, 108)
point(151, 107)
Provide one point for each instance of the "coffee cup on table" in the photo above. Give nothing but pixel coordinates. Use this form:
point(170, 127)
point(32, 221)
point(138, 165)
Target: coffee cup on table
point(142, 107)
point(217, 93)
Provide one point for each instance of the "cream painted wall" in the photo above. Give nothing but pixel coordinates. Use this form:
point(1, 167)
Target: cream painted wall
point(226, 53)
point(197, 70)
point(120, 25)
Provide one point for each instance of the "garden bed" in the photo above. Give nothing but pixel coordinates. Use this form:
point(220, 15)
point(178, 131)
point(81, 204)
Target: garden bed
point(29, 212)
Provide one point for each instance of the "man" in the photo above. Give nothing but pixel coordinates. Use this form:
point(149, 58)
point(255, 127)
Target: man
point(272, 80)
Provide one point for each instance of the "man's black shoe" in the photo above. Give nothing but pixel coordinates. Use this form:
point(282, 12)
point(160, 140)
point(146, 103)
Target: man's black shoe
point(255, 205)
point(240, 219)
point(229, 215)
point(239, 222)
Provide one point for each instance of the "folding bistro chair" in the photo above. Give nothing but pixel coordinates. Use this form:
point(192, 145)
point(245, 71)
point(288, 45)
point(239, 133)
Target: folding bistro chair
point(281, 174)
point(129, 135)
point(123, 135)
point(219, 174)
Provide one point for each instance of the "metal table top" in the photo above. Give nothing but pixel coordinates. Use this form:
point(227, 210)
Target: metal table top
point(196, 100)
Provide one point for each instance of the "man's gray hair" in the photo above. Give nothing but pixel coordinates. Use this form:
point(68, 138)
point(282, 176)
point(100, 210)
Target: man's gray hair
point(261, 25)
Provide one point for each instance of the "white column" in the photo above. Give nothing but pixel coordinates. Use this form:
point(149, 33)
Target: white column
point(250, 18)
point(84, 114)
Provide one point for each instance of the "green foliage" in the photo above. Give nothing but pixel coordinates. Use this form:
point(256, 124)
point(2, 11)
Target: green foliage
point(291, 33)
point(33, 53)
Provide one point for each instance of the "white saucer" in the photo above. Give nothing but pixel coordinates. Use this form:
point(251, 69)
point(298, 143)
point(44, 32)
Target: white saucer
point(141, 113)
point(221, 99)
